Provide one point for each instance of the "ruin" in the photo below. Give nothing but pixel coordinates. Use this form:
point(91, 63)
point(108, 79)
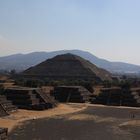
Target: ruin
point(6, 106)
point(74, 94)
point(30, 98)
point(6, 81)
point(118, 96)
point(3, 134)
point(109, 96)
point(136, 95)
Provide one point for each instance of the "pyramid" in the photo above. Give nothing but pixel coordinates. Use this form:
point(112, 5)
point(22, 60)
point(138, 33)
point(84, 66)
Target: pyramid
point(67, 66)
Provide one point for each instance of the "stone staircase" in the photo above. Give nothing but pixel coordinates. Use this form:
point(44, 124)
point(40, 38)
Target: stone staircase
point(2, 111)
point(46, 98)
point(3, 134)
point(6, 106)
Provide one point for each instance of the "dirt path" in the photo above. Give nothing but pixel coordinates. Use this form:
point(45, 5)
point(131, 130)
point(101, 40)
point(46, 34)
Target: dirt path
point(91, 122)
point(19, 117)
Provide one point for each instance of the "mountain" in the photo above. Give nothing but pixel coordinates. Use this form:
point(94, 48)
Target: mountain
point(67, 66)
point(24, 61)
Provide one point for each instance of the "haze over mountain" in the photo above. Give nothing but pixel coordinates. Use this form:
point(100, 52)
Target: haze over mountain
point(21, 62)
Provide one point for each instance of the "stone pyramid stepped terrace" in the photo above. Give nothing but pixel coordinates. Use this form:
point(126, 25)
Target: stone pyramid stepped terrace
point(136, 94)
point(46, 98)
point(29, 98)
point(3, 134)
point(117, 96)
point(2, 111)
point(6, 106)
point(68, 67)
point(76, 94)
point(109, 96)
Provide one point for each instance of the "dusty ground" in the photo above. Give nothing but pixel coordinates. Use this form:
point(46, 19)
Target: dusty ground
point(21, 115)
point(85, 122)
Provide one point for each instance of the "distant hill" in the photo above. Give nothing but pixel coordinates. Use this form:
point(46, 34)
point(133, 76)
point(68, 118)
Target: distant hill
point(67, 66)
point(23, 61)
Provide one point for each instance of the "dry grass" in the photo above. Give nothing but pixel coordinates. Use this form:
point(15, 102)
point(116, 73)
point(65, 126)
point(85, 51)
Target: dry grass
point(130, 123)
point(86, 117)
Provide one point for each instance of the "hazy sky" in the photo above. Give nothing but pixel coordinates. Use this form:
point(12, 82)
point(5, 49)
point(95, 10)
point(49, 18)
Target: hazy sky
point(109, 29)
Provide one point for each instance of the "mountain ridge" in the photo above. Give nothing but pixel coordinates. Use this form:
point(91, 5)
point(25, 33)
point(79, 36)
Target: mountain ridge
point(23, 61)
